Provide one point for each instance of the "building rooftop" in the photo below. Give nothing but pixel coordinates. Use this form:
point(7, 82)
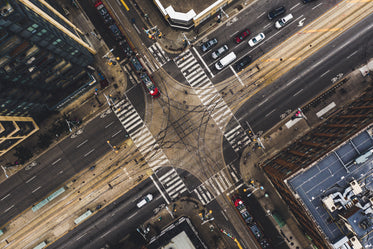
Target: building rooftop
point(337, 191)
point(180, 234)
point(185, 6)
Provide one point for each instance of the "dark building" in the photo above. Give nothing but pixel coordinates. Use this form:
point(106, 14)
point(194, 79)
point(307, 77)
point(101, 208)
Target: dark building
point(43, 58)
point(322, 162)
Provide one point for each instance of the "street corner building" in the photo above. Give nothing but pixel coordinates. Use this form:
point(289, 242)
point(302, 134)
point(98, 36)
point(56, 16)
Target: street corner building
point(188, 14)
point(43, 58)
point(326, 177)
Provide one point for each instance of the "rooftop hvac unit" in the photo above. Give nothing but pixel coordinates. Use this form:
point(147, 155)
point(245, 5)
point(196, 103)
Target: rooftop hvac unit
point(355, 187)
point(329, 203)
point(355, 243)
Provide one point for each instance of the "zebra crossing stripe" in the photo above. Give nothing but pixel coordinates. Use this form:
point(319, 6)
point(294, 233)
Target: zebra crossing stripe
point(207, 193)
point(167, 174)
point(199, 197)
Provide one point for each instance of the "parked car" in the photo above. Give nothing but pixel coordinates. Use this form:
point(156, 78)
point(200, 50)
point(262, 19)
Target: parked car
point(283, 21)
point(241, 64)
point(258, 38)
point(216, 54)
point(276, 12)
point(308, 1)
point(240, 37)
point(209, 44)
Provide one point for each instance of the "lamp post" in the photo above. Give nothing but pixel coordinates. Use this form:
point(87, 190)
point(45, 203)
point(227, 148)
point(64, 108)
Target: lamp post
point(114, 148)
point(4, 171)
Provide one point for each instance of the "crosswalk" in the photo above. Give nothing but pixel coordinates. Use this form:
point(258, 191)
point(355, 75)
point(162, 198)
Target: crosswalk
point(211, 99)
point(215, 186)
point(172, 183)
point(159, 54)
point(140, 135)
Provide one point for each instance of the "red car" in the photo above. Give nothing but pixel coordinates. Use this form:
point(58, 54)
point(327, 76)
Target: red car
point(239, 38)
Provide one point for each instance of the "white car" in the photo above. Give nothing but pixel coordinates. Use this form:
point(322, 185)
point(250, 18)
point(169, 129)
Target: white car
point(216, 54)
point(283, 21)
point(258, 38)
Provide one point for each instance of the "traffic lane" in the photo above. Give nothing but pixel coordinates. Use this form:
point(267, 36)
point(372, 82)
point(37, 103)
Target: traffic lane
point(327, 63)
point(117, 219)
point(134, 17)
point(261, 25)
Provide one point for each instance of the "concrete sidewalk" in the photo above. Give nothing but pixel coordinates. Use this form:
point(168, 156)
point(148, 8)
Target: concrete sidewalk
point(278, 138)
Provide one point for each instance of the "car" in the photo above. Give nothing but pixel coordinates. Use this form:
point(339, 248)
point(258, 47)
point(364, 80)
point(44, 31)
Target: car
point(276, 12)
point(258, 38)
point(145, 200)
point(308, 1)
point(283, 21)
point(208, 45)
point(241, 64)
point(216, 54)
point(239, 38)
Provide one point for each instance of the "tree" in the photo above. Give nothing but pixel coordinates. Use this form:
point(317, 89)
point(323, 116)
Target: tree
point(44, 140)
point(23, 154)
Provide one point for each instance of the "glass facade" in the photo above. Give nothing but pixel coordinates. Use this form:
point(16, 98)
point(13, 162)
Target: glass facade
point(40, 63)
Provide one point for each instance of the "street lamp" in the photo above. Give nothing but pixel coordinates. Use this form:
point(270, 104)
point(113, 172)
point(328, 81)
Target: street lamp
point(114, 148)
point(4, 171)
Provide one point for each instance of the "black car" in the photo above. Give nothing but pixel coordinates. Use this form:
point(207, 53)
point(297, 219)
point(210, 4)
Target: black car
point(276, 12)
point(209, 44)
point(241, 64)
point(308, 1)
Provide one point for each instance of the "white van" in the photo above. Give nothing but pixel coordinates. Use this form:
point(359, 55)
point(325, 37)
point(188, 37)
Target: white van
point(146, 199)
point(225, 61)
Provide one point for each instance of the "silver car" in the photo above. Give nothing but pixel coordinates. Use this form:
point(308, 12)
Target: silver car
point(216, 54)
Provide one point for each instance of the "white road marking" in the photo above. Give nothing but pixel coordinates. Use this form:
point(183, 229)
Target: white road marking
point(224, 214)
point(270, 113)
point(29, 180)
point(291, 82)
point(116, 133)
point(261, 103)
point(5, 197)
point(324, 73)
point(137, 29)
point(59, 159)
point(294, 6)
point(105, 234)
point(9, 209)
point(316, 6)
point(298, 92)
point(261, 15)
point(269, 24)
point(82, 143)
point(36, 189)
point(203, 62)
point(234, 33)
point(81, 236)
point(131, 216)
point(352, 54)
point(60, 172)
point(109, 124)
point(159, 189)
point(89, 152)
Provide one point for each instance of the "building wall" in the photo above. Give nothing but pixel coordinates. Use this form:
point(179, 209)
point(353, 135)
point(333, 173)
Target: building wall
point(42, 58)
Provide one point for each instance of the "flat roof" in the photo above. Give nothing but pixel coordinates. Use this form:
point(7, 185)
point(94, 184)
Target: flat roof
point(333, 174)
point(185, 6)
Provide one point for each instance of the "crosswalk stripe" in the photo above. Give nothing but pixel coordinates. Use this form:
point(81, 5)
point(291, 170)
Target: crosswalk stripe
point(167, 174)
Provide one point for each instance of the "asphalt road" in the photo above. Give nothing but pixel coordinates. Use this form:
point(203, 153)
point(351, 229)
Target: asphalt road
point(344, 54)
point(112, 223)
point(58, 164)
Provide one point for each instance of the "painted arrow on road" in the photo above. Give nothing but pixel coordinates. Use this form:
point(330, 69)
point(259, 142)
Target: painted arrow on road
point(301, 22)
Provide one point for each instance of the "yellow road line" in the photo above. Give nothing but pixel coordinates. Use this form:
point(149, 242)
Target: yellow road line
point(125, 5)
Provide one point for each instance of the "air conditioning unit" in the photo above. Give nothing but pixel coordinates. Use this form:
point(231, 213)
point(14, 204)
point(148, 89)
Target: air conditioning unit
point(6, 10)
point(355, 187)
